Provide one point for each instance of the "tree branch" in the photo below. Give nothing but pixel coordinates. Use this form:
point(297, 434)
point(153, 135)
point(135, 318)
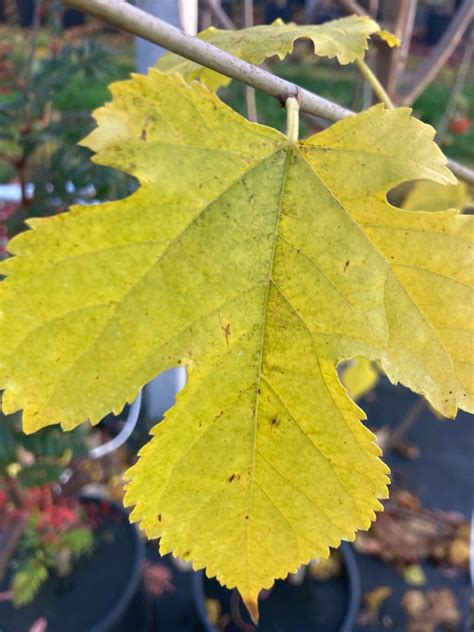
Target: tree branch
point(220, 15)
point(250, 98)
point(406, 36)
point(351, 6)
point(440, 55)
point(398, 18)
point(456, 89)
point(132, 20)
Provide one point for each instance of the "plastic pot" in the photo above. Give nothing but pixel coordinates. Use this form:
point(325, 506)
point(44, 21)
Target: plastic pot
point(313, 606)
point(436, 26)
point(95, 597)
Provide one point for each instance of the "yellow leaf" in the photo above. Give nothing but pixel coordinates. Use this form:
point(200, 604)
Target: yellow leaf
point(414, 575)
point(260, 266)
point(346, 39)
point(430, 196)
point(359, 377)
point(389, 38)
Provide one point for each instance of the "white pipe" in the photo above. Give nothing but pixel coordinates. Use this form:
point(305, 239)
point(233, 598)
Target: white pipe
point(132, 418)
point(188, 16)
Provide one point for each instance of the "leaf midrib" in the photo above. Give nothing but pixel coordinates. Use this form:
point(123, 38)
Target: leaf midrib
point(262, 350)
point(148, 270)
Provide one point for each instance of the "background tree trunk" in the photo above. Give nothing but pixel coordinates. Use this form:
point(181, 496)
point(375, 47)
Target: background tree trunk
point(161, 393)
point(146, 52)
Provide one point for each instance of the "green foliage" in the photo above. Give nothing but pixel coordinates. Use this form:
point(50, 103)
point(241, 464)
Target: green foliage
point(49, 451)
point(39, 127)
point(7, 447)
point(431, 105)
point(55, 537)
point(54, 444)
point(39, 474)
point(79, 541)
point(28, 579)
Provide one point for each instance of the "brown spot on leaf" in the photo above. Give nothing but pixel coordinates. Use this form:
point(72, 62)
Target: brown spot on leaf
point(226, 331)
point(143, 134)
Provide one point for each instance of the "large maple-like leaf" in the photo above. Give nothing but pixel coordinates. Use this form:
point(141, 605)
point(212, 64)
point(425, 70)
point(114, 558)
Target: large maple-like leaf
point(259, 265)
point(345, 39)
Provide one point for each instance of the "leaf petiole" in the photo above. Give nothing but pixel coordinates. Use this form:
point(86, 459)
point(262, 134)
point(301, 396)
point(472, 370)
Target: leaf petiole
point(374, 83)
point(292, 119)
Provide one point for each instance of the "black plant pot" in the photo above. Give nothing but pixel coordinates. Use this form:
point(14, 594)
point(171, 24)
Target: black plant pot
point(313, 606)
point(73, 18)
point(26, 9)
point(96, 596)
point(436, 26)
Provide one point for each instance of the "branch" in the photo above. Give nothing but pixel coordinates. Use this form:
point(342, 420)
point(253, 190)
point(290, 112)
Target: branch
point(9, 541)
point(224, 20)
point(461, 171)
point(28, 70)
point(406, 36)
point(406, 423)
point(398, 18)
point(351, 6)
point(456, 89)
point(250, 98)
point(132, 20)
point(220, 15)
point(441, 53)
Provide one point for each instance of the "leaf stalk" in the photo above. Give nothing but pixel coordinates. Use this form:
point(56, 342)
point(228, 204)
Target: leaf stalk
point(374, 83)
point(292, 120)
point(132, 20)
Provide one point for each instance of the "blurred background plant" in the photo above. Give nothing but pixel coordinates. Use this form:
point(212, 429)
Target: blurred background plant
point(42, 530)
point(50, 533)
point(45, 526)
point(48, 88)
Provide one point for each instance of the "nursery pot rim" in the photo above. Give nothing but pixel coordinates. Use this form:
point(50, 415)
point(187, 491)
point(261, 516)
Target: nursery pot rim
point(111, 615)
point(354, 597)
point(134, 576)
